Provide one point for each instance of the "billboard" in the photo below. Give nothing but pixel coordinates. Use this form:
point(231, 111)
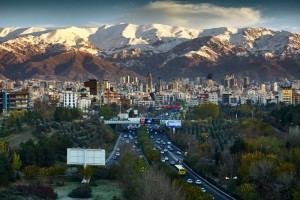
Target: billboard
point(77, 156)
point(173, 123)
point(148, 121)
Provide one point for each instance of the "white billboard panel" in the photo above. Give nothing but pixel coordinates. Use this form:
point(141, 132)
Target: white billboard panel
point(173, 123)
point(77, 156)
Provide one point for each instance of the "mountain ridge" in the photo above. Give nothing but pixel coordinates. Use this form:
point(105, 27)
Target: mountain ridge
point(152, 47)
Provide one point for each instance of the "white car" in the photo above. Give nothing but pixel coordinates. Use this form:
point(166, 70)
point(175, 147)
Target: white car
point(166, 158)
point(178, 153)
point(189, 180)
point(163, 160)
point(162, 152)
point(198, 182)
point(203, 189)
point(118, 153)
point(172, 162)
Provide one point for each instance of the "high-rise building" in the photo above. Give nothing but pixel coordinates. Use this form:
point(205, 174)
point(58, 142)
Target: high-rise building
point(263, 87)
point(275, 87)
point(149, 82)
point(15, 100)
point(285, 94)
point(93, 85)
point(106, 85)
point(296, 97)
point(70, 98)
point(246, 81)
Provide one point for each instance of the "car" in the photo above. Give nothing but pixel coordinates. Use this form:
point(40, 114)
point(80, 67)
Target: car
point(166, 158)
point(118, 149)
point(172, 162)
point(163, 160)
point(151, 137)
point(133, 146)
point(162, 152)
point(118, 153)
point(171, 149)
point(198, 182)
point(123, 139)
point(165, 150)
point(203, 189)
point(169, 143)
point(127, 141)
point(178, 153)
point(125, 136)
point(189, 180)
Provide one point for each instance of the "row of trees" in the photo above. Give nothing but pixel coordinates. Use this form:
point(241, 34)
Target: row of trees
point(265, 163)
point(10, 164)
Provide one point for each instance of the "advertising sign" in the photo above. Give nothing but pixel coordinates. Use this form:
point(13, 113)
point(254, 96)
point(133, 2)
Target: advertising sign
point(148, 121)
point(142, 121)
point(173, 123)
point(77, 156)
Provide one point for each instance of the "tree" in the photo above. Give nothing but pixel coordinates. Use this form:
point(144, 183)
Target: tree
point(16, 163)
point(247, 191)
point(106, 112)
point(238, 147)
point(6, 174)
point(27, 153)
point(206, 110)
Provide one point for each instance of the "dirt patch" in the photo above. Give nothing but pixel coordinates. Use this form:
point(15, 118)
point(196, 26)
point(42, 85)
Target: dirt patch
point(15, 139)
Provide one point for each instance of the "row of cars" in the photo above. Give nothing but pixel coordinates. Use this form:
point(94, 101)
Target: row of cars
point(197, 182)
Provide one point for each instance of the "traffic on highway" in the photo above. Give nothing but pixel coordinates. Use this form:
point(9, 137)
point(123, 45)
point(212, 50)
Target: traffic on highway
point(170, 155)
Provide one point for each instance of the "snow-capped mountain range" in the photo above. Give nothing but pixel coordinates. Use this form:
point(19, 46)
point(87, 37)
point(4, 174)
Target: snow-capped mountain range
point(256, 52)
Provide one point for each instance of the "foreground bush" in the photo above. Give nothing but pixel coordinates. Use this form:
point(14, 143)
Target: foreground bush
point(81, 192)
point(40, 191)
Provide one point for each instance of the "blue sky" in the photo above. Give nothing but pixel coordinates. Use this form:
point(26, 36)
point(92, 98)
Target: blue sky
point(275, 14)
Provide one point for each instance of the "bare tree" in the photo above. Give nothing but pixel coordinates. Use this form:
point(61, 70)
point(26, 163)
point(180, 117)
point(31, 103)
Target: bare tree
point(156, 185)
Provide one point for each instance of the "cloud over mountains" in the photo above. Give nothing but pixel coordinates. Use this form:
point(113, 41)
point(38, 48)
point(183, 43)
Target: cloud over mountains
point(202, 15)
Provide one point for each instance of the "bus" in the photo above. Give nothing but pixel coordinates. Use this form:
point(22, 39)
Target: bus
point(180, 169)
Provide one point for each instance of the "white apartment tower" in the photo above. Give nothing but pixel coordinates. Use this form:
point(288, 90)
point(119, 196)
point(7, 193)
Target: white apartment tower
point(70, 99)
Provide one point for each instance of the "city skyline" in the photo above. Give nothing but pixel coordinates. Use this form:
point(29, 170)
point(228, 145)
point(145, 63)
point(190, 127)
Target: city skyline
point(278, 15)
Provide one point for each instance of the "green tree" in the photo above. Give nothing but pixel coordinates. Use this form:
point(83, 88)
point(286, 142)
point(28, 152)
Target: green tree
point(206, 110)
point(247, 191)
point(238, 147)
point(27, 153)
point(6, 174)
point(16, 162)
point(106, 112)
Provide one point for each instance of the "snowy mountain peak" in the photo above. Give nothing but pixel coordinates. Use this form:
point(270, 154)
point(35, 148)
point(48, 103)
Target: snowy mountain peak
point(156, 38)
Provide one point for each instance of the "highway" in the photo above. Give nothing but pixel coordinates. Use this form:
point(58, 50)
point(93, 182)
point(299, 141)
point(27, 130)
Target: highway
point(166, 149)
point(161, 144)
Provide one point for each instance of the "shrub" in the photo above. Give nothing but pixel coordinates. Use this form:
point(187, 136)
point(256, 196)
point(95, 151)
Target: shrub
point(40, 191)
point(31, 171)
point(81, 192)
